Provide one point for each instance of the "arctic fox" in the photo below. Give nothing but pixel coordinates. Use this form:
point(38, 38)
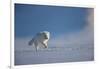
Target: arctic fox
point(40, 38)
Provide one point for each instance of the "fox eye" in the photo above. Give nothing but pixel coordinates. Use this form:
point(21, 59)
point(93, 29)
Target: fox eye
point(45, 36)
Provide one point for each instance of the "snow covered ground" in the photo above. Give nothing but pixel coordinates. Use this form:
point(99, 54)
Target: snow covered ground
point(54, 54)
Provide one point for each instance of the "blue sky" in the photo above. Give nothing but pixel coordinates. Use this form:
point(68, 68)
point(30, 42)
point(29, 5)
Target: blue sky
point(30, 19)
